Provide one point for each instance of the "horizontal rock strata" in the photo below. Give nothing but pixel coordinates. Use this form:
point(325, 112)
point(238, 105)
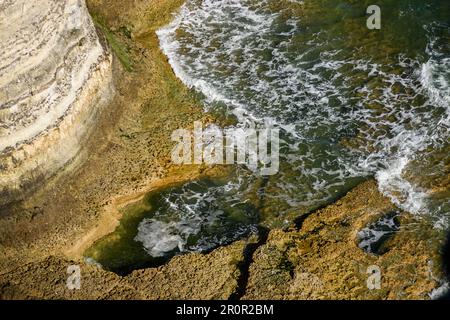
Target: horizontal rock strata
point(54, 77)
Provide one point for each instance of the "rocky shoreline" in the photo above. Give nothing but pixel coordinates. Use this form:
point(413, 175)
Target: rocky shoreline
point(318, 260)
point(128, 154)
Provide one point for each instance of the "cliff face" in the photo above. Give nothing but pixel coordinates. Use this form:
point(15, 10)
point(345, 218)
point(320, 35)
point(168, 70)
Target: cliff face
point(55, 76)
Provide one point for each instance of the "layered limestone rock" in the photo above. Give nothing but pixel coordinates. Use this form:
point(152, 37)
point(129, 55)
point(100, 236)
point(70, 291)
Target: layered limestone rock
point(55, 75)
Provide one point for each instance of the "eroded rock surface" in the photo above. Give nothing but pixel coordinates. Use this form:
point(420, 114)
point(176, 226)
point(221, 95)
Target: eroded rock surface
point(322, 260)
point(54, 77)
point(193, 276)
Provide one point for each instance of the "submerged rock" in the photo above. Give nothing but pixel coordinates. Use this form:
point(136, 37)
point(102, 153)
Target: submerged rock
point(55, 75)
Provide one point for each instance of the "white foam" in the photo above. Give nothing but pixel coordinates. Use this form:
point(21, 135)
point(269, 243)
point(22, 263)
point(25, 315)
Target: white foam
point(193, 211)
point(226, 53)
point(439, 292)
point(159, 238)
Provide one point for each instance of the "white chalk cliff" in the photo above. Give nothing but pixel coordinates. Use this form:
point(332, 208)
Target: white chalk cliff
point(55, 77)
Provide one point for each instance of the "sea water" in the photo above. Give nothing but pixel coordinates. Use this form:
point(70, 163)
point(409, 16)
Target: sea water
point(350, 103)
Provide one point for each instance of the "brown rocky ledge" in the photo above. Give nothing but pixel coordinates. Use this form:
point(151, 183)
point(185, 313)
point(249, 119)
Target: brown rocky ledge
point(128, 154)
point(321, 260)
point(193, 276)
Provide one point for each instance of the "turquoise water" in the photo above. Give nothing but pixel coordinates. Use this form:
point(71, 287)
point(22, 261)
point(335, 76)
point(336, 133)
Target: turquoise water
point(351, 103)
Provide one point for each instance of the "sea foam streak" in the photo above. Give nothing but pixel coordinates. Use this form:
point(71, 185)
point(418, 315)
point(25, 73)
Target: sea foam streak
point(269, 66)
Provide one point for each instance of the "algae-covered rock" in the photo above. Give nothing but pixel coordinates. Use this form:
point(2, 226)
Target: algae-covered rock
point(322, 260)
point(193, 276)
